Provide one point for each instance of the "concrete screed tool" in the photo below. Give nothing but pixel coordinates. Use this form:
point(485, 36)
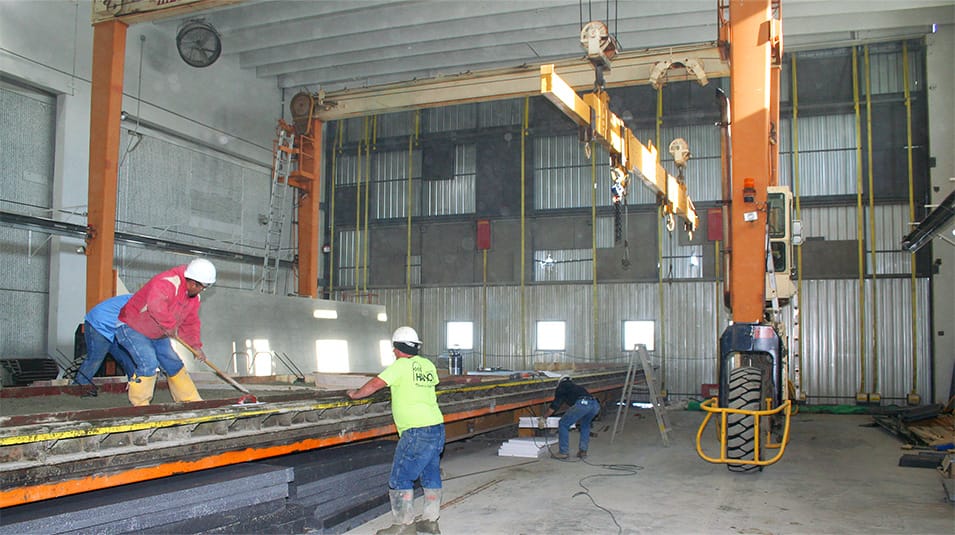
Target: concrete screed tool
point(248, 398)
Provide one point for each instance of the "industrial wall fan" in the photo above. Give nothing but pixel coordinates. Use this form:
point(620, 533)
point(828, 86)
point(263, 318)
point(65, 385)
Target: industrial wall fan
point(199, 44)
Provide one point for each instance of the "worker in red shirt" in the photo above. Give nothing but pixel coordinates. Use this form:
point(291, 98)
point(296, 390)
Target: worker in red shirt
point(167, 306)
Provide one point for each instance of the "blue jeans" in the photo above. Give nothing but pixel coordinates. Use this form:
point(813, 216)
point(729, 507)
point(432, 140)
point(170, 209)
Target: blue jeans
point(581, 413)
point(418, 455)
point(148, 354)
point(97, 346)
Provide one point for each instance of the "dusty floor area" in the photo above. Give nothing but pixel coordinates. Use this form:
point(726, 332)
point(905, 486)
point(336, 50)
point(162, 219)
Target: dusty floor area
point(838, 475)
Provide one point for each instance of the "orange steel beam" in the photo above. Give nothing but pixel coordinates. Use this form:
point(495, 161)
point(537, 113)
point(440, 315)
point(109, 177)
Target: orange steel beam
point(106, 102)
point(754, 45)
point(307, 180)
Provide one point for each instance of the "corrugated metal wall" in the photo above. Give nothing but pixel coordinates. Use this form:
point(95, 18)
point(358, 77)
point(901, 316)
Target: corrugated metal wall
point(390, 175)
point(832, 357)
point(563, 176)
point(827, 155)
point(455, 196)
point(26, 187)
point(891, 225)
point(688, 334)
point(431, 196)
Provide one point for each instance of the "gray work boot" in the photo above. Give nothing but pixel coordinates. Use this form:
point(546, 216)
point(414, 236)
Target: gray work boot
point(402, 510)
point(428, 523)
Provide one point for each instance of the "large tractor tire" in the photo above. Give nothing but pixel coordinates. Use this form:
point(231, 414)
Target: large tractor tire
point(745, 392)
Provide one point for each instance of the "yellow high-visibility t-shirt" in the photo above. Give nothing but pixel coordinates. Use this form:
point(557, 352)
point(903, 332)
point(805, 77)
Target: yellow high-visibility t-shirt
point(413, 401)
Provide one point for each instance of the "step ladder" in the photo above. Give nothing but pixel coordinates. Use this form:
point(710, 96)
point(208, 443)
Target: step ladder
point(626, 396)
point(278, 209)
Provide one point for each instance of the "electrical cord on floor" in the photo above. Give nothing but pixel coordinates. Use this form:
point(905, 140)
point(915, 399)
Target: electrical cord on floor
point(489, 470)
point(626, 469)
point(620, 470)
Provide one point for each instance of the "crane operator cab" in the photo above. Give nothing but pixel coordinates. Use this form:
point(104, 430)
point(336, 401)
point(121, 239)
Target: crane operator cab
point(784, 232)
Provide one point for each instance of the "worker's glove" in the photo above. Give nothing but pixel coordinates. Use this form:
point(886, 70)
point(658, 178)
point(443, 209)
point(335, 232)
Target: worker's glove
point(200, 355)
point(542, 422)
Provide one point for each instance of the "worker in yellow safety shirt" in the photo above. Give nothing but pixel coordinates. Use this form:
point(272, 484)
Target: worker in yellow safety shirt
point(420, 424)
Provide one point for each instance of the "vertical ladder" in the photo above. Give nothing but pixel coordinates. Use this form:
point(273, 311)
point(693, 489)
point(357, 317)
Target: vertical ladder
point(281, 169)
point(663, 421)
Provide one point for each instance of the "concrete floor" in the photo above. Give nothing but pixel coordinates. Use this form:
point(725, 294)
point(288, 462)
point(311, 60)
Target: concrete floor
point(838, 476)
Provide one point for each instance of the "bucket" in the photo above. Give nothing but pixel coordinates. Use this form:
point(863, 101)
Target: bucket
point(455, 363)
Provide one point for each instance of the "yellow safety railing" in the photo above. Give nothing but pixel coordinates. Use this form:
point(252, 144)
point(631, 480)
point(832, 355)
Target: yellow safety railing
point(711, 408)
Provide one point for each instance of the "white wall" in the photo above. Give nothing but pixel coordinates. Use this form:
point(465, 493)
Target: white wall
point(941, 103)
point(48, 44)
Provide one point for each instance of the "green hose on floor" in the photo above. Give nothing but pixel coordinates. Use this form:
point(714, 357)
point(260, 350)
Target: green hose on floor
point(694, 405)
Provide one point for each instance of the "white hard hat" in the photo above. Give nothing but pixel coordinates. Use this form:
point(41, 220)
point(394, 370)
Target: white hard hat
point(406, 335)
point(201, 271)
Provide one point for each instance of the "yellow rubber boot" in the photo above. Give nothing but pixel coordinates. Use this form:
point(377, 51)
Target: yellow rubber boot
point(141, 390)
point(182, 388)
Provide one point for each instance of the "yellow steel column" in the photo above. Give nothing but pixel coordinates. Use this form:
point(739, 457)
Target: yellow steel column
point(412, 140)
point(524, 127)
point(913, 397)
point(593, 248)
point(106, 102)
point(796, 196)
point(661, 298)
point(874, 395)
point(860, 227)
point(332, 266)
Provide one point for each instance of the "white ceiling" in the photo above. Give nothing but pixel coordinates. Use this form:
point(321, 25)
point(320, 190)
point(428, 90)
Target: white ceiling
point(345, 44)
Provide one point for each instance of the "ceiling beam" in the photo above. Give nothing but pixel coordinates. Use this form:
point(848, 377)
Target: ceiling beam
point(134, 11)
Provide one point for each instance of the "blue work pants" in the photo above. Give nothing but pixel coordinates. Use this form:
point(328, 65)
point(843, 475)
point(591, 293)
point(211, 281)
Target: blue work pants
point(418, 455)
point(97, 346)
point(582, 413)
point(148, 354)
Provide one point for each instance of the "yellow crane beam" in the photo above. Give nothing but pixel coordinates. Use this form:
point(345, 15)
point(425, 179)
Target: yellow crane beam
point(629, 68)
point(627, 154)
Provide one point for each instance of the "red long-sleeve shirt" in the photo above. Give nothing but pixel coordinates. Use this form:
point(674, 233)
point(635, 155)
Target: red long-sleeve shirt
point(162, 306)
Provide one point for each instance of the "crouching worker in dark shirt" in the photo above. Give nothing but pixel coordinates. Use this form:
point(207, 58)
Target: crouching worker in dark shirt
point(583, 409)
